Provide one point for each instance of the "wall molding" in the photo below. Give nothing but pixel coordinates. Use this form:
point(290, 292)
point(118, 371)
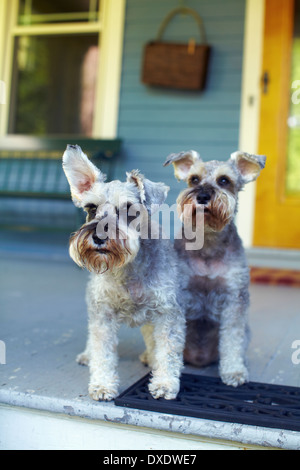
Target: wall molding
point(250, 108)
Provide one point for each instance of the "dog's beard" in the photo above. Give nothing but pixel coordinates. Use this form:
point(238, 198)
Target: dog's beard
point(114, 253)
point(221, 211)
point(217, 213)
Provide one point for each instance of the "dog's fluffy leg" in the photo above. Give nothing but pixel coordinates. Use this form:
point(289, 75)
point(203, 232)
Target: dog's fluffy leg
point(103, 358)
point(169, 336)
point(232, 346)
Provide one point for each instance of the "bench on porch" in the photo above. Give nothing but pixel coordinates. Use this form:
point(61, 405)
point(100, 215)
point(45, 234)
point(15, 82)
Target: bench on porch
point(31, 168)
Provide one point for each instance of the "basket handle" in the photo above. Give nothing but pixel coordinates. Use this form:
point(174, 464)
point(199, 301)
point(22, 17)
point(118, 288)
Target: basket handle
point(184, 10)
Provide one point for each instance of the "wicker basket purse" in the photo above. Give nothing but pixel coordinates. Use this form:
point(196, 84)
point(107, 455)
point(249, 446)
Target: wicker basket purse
point(176, 65)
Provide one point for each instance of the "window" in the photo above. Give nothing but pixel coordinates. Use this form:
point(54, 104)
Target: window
point(293, 145)
point(45, 11)
point(56, 57)
point(53, 85)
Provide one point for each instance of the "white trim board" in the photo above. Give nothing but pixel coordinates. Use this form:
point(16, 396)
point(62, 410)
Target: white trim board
point(250, 108)
point(110, 69)
point(49, 431)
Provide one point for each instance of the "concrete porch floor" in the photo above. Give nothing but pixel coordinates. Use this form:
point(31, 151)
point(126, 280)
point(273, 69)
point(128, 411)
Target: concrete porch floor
point(43, 325)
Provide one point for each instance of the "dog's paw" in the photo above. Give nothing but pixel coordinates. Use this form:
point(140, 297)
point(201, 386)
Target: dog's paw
point(102, 392)
point(83, 359)
point(162, 388)
point(236, 377)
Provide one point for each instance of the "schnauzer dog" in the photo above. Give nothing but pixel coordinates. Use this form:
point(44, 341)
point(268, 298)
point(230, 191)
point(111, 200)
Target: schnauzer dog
point(130, 278)
point(217, 299)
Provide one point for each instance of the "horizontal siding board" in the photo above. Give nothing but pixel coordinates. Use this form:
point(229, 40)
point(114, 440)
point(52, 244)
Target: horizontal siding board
point(179, 116)
point(155, 122)
point(140, 133)
point(155, 154)
point(206, 9)
point(152, 97)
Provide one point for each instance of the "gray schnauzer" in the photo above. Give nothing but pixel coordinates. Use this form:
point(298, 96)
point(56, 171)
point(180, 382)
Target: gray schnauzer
point(130, 278)
point(217, 299)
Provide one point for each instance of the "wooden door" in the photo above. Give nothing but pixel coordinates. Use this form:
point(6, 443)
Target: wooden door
point(277, 214)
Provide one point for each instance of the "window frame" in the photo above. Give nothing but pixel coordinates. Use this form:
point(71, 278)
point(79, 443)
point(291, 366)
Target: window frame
point(110, 29)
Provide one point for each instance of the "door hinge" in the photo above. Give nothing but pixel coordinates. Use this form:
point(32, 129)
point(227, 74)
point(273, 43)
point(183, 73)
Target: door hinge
point(265, 82)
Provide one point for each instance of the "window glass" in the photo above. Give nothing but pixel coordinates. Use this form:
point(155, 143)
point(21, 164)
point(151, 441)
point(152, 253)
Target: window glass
point(53, 11)
point(293, 147)
point(54, 84)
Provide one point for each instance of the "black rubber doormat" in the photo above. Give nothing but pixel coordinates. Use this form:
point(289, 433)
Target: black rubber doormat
point(258, 404)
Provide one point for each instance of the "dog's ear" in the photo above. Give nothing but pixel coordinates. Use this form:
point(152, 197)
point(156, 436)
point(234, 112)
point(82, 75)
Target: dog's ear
point(81, 173)
point(152, 194)
point(182, 163)
point(249, 166)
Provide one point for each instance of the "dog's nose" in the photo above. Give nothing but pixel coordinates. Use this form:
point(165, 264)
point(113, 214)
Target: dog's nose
point(98, 240)
point(203, 198)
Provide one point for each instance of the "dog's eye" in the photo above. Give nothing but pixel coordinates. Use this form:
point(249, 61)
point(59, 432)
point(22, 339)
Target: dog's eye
point(91, 210)
point(194, 180)
point(223, 181)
